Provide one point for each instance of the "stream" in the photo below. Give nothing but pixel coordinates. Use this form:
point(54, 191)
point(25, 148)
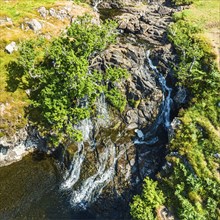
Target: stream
point(35, 187)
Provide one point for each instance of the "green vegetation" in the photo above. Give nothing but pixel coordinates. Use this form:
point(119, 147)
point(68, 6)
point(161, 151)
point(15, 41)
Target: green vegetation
point(18, 9)
point(63, 88)
point(183, 2)
point(203, 13)
point(191, 182)
point(144, 205)
point(196, 68)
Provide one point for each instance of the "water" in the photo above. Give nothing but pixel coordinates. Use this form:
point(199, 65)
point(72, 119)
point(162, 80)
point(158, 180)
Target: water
point(73, 174)
point(29, 189)
point(35, 188)
point(92, 187)
point(163, 117)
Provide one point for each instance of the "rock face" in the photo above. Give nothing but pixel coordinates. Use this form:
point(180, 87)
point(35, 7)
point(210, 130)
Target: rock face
point(142, 26)
point(141, 90)
point(20, 144)
point(148, 24)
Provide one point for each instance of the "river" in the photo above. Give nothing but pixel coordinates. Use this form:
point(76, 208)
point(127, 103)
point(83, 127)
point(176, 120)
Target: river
point(29, 189)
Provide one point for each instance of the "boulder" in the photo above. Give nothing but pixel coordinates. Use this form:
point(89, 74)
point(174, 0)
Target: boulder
point(34, 25)
point(43, 12)
point(10, 48)
point(6, 21)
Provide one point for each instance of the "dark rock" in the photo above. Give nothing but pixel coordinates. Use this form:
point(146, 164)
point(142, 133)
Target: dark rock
point(3, 150)
point(181, 96)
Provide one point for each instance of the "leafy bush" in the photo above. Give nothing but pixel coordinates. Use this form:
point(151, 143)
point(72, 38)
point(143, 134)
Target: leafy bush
point(196, 68)
point(191, 184)
point(144, 206)
point(63, 88)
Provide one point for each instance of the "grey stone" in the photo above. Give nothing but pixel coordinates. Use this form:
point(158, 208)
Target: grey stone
point(3, 150)
point(181, 96)
point(10, 48)
point(43, 12)
point(52, 12)
point(217, 155)
point(34, 25)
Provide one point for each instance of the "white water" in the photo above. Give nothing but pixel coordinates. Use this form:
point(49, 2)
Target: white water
point(102, 111)
point(89, 190)
point(92, 187)
point(73, 174)
point(164, 114)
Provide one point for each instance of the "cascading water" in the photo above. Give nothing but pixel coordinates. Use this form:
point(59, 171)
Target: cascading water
point(72, 175)
point(102, 111)
point(92, 187)
point(89, 190)
point(164, 114)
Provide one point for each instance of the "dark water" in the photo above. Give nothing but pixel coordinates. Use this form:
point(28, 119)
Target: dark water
point(29, 189)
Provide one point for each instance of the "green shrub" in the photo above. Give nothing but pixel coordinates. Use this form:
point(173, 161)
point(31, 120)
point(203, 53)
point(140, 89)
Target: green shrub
point(63, 87)
point(144, 206)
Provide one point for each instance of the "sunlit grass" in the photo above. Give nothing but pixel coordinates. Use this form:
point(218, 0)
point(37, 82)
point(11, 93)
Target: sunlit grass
point(17, 9)
point(205, 13)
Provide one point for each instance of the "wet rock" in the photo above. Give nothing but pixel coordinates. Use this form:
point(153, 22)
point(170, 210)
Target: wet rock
point(181, 96)
point(34, 25)
point(15, 147)
point(3, 150)
point(10, 48)
point(174, 125)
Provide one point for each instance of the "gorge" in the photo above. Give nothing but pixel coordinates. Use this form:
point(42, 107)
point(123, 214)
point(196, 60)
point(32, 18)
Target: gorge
point(93, 169)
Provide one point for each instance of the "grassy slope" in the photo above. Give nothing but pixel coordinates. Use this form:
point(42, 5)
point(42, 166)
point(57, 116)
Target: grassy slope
point(195, 179)
point(206, 13)
point(191, 184)
point(12, 104)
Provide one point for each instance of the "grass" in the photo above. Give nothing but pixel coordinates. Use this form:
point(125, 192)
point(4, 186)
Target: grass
point(12, 104)
point(206, 14)
point(17, 9)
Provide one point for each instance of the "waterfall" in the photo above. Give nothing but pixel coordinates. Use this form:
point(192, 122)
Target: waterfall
point(84, 194)
point(72, 175)
point(102, 111)
point(166, 103)
point(164, 114)
point(92, 187)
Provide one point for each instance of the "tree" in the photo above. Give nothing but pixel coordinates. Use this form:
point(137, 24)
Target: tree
point(144, 205)
point(63, 88)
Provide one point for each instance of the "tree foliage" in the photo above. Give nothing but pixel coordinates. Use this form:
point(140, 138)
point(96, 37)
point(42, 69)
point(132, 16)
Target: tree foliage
point(63, 87)
point(144, 206)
